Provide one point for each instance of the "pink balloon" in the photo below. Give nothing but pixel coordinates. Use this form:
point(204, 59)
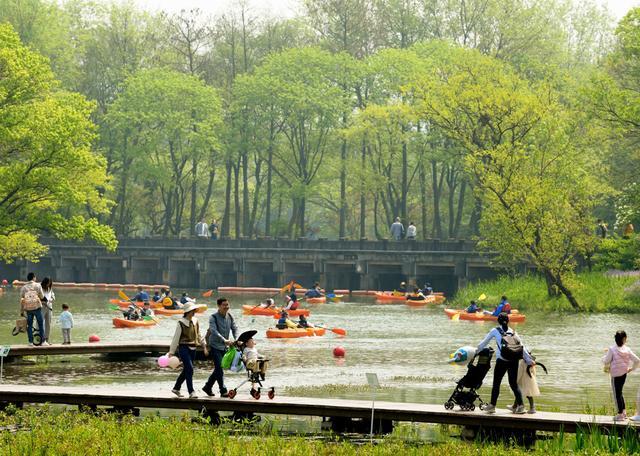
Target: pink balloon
point(163, 361)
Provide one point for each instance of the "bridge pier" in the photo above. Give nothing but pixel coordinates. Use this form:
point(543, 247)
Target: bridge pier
point(344, 424)
point(521, 437)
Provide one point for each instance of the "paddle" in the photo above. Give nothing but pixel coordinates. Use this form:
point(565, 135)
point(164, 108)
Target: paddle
point(207, 294)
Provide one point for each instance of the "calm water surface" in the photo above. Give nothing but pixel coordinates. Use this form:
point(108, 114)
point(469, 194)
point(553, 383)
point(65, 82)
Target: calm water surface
point(408, 348)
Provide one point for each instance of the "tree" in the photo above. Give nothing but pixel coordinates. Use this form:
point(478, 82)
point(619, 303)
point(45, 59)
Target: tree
point(166, 121)
point(49, 175)
point(521, 151)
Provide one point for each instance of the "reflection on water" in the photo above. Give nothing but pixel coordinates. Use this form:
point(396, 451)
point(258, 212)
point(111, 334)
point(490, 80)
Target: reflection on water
point(408, 348)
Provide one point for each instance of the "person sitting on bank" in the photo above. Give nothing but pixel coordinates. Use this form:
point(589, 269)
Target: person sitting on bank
point(402, 288)
point(156, 296)
point(185, 298)
point(416, 295)
point(504, 306)
point(268, 303)
point(146, 310)
point(142, 296)
point(427, 290)
point(314, 292)
point(473, 308)
point(132, 312)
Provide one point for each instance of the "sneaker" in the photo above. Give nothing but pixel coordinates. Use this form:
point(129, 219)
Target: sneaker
point(519, 410)
point(489, 408)
point(531, 411)
point(224, 394)
point(510, 408)
point(207, 390)
point(193, 395)
point(45, 344)
point(176, 392)
point(31, 344)
point(620, 417)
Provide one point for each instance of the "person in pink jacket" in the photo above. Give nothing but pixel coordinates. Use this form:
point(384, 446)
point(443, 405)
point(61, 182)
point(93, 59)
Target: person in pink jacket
point(620, 360)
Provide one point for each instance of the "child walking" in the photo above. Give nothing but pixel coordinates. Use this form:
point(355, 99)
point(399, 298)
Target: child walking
point(528, 385)
point(66, 323)
point(620, 360)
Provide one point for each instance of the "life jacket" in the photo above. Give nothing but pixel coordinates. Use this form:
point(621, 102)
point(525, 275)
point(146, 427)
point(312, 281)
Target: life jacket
point(507, 308)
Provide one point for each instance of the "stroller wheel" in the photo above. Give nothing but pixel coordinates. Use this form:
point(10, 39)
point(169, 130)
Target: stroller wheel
point(272, 393)
point(472, 407)
point(37, 339)
point(449, 405)
point(231, 394)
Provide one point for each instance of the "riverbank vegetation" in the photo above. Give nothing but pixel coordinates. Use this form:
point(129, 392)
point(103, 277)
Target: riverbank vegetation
point(38, 432)
point(596, 291)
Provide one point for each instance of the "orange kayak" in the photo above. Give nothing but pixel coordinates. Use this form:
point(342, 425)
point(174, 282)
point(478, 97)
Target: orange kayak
point(316, 331)
point(121, 303)
point(124, 323)
point(288, 333)
point(422, 302)
point(163, 311)
point(273, 311)
point(319, 300)
point(479, 316)
point(388, 296)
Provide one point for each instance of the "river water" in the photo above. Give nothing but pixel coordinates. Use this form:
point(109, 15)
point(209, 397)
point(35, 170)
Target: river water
point(407, 348)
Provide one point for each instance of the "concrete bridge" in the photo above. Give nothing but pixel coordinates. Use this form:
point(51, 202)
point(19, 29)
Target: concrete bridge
point(204, 263)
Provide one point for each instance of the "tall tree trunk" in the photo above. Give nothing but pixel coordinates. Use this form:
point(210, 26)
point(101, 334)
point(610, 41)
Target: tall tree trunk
point(405, 184)
point(267, 229)
point(343, 181)
point(451, 198)
point(194, 189)
point(437, 194)
point(245, 192)
point(226, 218)
point(363, 199)
point(236, 198)
point(293, 219)
point(207, 197)
point(303, 206)
point(460, 209)
point(474, 220)
point(558, 282)
point(375, 218)
point(423, 200)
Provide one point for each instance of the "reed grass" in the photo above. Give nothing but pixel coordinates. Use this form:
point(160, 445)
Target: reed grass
point(45, 431)
point(595, 291)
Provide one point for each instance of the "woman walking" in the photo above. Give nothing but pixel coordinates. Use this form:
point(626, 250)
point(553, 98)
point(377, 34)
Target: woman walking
point(185, 341)
point(47, 306)
point(620, 360)
point(509, 351)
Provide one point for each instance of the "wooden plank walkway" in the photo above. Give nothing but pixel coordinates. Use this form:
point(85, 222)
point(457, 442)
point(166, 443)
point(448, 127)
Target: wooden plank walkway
point(146, 348)
point(280, 405)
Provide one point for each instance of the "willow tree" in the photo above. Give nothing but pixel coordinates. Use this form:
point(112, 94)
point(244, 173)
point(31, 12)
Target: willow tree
point(531, 171)
point(49, 174)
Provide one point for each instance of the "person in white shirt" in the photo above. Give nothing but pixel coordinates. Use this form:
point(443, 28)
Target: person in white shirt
point(202, 229)
point(411, 231)
point(66, 323)
point(47, 306)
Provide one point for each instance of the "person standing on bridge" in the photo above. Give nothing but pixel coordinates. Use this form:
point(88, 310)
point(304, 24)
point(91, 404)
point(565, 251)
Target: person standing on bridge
point(221, 326)
point(510, 350)
point(397, 230)
point(202, 230)
point(47, 306)
point(31, 297)
point(185, 341)
point(620, 360)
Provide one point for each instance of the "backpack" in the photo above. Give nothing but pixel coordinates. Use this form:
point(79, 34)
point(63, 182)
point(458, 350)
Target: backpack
point(31, 300)
point(511, 348)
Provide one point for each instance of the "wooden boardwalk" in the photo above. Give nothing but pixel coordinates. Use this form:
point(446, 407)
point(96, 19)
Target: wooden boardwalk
point(243, 403)
point(147, 348)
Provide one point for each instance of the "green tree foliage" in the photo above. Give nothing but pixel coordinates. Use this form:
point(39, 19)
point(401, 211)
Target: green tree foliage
point(49, 176)
point(165, 122)
point(521, 152)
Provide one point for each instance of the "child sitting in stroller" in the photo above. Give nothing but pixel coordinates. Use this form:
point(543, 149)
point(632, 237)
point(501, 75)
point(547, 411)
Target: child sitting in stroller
point(255, 363)
point(465, 394)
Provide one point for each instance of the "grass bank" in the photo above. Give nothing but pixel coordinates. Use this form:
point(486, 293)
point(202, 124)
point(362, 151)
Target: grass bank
point(595, 291)
point(46, 432)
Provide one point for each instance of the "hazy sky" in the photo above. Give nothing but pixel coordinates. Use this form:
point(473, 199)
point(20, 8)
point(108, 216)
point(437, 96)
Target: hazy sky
point(288, 7)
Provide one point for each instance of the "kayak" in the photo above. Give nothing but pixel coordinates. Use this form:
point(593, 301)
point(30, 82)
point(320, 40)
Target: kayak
point(273, 311)
point(163, 311)
point(124, 323)
point(335, 298)
point(316, 331)
point(479, 316)
point(389, 296)
point(288, 333)
point(122, 303)
point(319, 300)
point(422, 302)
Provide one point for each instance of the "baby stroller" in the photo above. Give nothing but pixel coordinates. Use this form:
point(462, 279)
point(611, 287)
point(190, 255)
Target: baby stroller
point(255, 378)
point(465, 393)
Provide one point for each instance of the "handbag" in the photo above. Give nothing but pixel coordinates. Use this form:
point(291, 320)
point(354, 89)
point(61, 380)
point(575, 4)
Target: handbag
point(227, 359)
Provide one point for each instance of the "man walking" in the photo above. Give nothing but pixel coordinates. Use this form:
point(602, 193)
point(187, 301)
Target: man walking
point(221, 324)
point(31, 297)
point(397, 230)
point(202, 230)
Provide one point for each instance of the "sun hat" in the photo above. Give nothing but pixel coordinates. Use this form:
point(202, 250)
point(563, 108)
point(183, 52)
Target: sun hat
point(190, 307)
